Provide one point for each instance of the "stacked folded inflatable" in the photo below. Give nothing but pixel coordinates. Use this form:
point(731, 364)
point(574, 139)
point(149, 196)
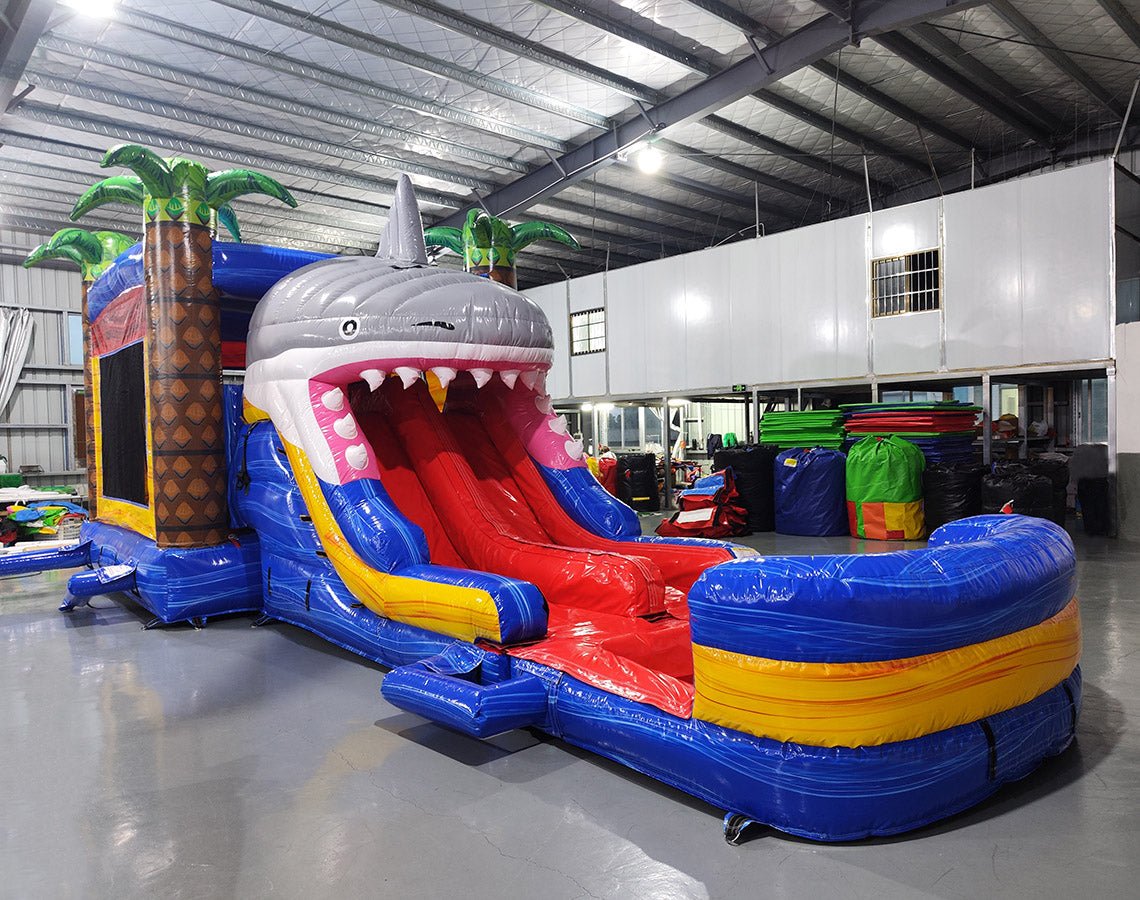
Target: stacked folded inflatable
point(709, 509)
point(944, 431)
point(807, 428)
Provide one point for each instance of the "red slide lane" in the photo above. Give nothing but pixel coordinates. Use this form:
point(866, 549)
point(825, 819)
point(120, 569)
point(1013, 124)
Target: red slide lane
point(486, 536)
point(679, 565)
point(399, 478)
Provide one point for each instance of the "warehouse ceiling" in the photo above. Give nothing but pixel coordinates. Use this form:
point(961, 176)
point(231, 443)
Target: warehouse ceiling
point(777, 113)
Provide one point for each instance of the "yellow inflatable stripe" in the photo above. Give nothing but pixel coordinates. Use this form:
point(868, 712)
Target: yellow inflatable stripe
point(459, 612)
point(860, 704)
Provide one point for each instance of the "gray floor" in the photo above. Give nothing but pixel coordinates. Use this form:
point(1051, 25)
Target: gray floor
point(256, 762)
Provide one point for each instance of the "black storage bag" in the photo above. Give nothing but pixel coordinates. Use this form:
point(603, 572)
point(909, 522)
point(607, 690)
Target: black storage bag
point(752, 465)
point(1096, 512)
point(637, 474)
point(1030, 495)
point(951, 491)
point(1056, 470)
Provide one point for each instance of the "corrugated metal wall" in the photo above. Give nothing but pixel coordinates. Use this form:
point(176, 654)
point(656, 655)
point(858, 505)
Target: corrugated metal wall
point(36, 426)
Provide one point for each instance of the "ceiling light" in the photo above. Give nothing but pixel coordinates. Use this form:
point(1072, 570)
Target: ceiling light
point(587, 407)
point(95, 8)
point(650, 159)
point(604, 407)
point(678, 401)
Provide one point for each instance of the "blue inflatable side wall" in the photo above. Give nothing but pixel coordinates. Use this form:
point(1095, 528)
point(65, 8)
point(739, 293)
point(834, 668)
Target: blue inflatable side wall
point(1010, 573)
point(177, 585)
point(826, 794)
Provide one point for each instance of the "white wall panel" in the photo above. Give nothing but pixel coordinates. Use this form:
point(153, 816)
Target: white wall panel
point(852, 292)
point(754, 339)
point(1066, 267)
point(587, 292)
point(1128, 387)
point(981, 277)
point(551, 299)
point(708, 319)
point(906, 343)
point(588, 373)
point(664, 326)
point(1026, 270)
point(823, 295)
point(626, 329)
point(904, 229)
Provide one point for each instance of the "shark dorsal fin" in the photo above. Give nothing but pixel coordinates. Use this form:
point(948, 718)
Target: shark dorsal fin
point(403, 239)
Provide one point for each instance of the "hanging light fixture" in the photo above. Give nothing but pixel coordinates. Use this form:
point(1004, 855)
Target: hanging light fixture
point(650, 159)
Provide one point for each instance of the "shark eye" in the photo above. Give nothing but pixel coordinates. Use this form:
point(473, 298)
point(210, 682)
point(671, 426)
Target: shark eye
point(349, 328)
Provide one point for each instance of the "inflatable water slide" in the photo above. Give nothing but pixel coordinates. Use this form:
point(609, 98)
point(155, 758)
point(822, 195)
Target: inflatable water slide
point(394, 478)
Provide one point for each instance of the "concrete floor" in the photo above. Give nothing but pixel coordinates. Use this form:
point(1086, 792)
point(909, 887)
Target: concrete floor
point(254, 762)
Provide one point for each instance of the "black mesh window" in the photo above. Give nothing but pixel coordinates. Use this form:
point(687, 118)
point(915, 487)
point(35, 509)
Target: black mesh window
point(122, 402)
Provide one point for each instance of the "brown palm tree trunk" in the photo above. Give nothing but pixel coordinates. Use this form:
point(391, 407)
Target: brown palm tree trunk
point(185, 373)
point(89, 412)
point(502, 274)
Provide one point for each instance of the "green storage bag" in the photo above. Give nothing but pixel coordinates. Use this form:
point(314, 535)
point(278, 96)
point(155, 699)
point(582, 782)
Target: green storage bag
point(884, 489)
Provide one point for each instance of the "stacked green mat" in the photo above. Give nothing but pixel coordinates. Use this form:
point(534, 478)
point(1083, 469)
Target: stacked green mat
point(810, 428)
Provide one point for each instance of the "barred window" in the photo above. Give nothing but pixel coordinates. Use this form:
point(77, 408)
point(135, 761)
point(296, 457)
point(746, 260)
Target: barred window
point(587, 331)
point(904, 284)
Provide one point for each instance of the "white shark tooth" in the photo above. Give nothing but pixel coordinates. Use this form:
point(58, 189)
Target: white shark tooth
point(408, 375)
point(574, 449)
point(374, 377)
point(445, 374)
point(346, 427)
point(530, 378)
point(558, 425)
point(333, 400)
point(509, 376)
point(481, 376)
point(357, 455)
point(543, 405)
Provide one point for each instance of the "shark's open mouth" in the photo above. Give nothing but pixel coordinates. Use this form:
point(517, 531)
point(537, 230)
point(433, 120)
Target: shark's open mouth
point(349, 321)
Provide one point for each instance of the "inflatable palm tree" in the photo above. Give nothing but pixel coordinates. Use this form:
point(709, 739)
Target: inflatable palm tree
point(129, 189)
point(489, 245)
point(181, 202)
point(92, 252)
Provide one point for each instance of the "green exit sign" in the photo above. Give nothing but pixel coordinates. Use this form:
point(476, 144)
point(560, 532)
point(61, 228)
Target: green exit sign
point(739, 388)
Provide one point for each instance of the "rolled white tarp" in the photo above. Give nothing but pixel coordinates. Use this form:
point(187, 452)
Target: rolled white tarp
point(15, 342)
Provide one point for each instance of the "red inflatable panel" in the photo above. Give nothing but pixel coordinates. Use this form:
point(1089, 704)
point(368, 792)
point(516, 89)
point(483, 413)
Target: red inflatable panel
point(650, 662)
point(679, 565)
point(484, 522)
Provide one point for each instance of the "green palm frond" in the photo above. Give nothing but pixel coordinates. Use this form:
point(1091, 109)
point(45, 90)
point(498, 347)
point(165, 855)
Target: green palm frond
point(229, 220)
point(224, 186)
point(45, 251)
point(75, 244)
point(113, 243)
point(500, 232)
point(528, 232)
point(126, 189)
point(92, 252)
point(476, 229)
point(443, 236)
point(187, 177)
point(152, 169)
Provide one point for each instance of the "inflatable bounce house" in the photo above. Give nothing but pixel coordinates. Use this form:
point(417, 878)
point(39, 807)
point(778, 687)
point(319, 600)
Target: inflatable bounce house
point(391, 476)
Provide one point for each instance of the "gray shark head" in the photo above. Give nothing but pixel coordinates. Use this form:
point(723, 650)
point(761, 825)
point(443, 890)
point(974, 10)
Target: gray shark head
point(353, 319)
point(358, 300)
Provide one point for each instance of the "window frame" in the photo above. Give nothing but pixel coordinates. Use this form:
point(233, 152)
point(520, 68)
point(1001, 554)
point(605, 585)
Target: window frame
point(589, 338)
point(910, 293)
